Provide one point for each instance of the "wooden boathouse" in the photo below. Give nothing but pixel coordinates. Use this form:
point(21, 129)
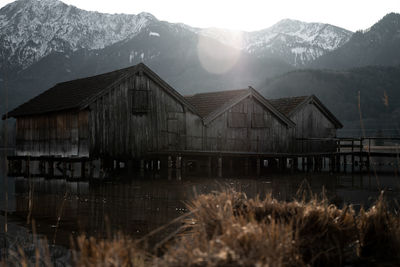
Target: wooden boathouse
point(314, 123)
point(131, 117)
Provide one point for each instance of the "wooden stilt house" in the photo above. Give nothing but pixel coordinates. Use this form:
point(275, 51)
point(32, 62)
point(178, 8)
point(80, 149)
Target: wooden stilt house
point(313, 121)
point(242, 120)
point(121, 114)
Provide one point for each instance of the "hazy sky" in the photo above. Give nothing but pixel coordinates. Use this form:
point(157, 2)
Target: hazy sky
point(249, 14)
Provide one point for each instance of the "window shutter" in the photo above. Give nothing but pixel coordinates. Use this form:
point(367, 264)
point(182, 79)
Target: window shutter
point(237, 120)
point(140, 101)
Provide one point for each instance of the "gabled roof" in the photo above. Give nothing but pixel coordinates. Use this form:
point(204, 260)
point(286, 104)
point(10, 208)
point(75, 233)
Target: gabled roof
point(206, 103)
point(78, 94)
point(287, 105)
point(291, 105)
point(212, 105)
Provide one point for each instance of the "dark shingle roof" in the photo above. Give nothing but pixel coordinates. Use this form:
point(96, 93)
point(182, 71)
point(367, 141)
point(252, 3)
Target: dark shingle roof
point(207, 103)
point(69, 95)
point(287, 105)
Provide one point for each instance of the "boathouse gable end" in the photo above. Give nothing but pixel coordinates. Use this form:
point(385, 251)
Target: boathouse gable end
point(312, 118)
point(315, 124)
point(248, 126)
point(242, 120)
point(141, 115)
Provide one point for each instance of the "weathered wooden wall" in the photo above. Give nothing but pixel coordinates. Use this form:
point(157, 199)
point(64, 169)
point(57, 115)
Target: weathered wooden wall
point(312, 123)
point(248, 126)
point(56, 134)
point(122, 126)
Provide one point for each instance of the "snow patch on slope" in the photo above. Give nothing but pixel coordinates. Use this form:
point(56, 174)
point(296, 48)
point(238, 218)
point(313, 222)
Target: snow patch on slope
point(32, 29)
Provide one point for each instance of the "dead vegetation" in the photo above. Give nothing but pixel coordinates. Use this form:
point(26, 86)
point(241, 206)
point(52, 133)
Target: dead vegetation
point(227, 229)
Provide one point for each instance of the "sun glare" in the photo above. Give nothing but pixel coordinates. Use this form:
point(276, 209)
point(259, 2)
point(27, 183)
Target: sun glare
point(219, 57)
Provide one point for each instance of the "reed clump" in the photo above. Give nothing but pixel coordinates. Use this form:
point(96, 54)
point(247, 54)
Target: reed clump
point(119, 250)
point(229, 229)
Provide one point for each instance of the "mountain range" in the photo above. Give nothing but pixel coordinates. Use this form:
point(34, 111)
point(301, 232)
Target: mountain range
point(43, 42)
point(33, 29)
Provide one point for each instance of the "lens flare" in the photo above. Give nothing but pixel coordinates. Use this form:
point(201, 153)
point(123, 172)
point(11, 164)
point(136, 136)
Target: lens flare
point(219, 50)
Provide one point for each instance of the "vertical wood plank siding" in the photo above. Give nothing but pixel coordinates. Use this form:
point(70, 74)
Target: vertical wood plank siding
point(55, 134)
point(273, 137)
point(312, 123)
point(119, 131)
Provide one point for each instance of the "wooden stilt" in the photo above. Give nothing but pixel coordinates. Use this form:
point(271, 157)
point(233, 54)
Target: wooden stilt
point(83, 169)
point(178, 162)
point(219, 166)
point(246, 166)
point(142, 166)
point(183, 167)
point(295, 163)
point(209, 172)
point(258, 166)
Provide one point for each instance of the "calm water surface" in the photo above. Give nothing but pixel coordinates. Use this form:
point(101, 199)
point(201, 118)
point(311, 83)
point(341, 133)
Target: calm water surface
point(136, 205)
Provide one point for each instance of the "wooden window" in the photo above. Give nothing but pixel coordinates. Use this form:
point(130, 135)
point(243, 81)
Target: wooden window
point(237, 120)
point(140, 101)
point(258, 121)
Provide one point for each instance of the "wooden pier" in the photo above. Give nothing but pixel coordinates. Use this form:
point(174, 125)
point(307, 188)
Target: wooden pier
point(350, 155)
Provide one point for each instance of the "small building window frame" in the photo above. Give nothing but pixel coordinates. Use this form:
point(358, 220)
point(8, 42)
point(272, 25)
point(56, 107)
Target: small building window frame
point(140, 101)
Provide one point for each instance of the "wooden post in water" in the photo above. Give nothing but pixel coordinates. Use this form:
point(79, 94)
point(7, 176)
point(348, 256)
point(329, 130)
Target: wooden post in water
point(352, 156)
point(142, 165)
point(231, 166)
point(309, 164)
point(315, 163)
point(27, 166)
point(338, 163)
point(246, 166)
point(51, 168)
point(178, 163)
point(219, 166)
point(284, 163)
point(209, 166)
point(361, 154)
point(183, 167)
point(83, 169)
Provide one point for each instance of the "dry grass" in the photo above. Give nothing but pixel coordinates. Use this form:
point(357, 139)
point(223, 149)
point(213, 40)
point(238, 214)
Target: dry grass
point(227, 229)
point(118, 251)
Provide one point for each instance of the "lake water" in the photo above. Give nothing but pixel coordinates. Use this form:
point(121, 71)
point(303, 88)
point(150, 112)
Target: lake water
point(136, 205)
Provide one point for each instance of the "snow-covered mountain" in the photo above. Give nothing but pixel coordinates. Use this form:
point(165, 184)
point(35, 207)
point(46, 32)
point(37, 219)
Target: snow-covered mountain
point(294, 41)
point(33, 29)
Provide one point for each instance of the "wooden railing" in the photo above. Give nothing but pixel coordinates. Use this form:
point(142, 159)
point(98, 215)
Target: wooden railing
point(353, 145)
